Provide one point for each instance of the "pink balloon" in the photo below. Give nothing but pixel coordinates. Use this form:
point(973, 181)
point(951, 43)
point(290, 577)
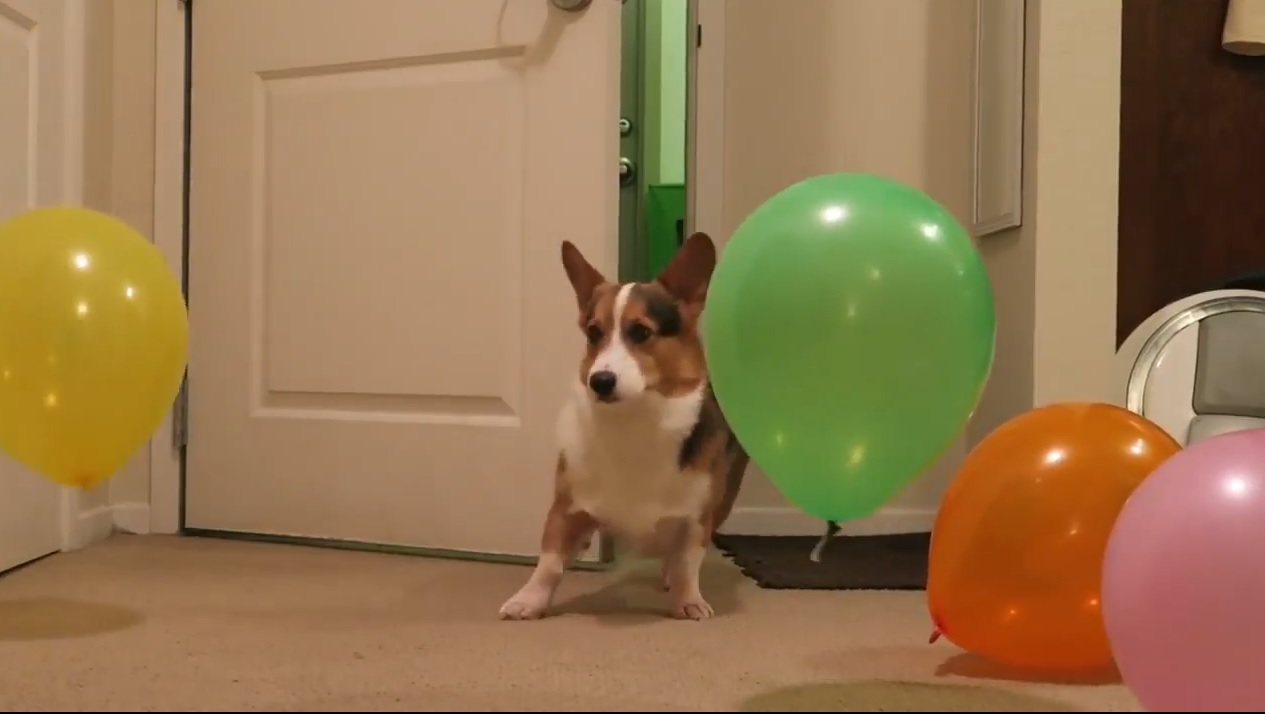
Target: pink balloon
point(1183, 591)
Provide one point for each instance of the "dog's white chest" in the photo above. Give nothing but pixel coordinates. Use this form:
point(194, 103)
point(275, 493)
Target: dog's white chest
point(624, 470)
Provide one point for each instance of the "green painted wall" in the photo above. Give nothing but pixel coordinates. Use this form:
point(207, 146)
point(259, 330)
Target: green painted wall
point(665, 41)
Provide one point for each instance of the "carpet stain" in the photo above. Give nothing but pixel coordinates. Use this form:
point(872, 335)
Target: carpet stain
point(974, 667)
point(895, 696)
point(56, 619)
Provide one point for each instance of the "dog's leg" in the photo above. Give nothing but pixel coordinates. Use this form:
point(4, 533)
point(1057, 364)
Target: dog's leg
point(684, 563)
point(565, 531)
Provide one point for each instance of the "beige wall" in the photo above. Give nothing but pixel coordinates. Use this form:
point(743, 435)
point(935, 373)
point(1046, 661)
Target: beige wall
point(1055, 278)
point(817, 86)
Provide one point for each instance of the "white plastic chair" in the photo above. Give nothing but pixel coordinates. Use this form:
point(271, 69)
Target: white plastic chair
point(1196, 367)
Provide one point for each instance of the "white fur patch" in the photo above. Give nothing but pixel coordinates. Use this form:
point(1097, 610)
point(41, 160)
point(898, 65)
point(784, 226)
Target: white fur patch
point(615, 357)
point(622, 461)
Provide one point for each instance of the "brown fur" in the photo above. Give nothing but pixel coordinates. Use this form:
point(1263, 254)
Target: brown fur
point(725, 463)
point(673, 365)
point(660, 325)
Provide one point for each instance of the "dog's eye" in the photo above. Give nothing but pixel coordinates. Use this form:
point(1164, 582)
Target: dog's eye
point(638, 333)
point(593, 333)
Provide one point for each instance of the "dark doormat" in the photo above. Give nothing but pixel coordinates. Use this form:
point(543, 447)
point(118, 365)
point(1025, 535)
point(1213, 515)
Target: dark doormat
point(886, 562)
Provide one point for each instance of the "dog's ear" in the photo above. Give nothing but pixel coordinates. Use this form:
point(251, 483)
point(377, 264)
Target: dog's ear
point(583, 276)
point(687, 276)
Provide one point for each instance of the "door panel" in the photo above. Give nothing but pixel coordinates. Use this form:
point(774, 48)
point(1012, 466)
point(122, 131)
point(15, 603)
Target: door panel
point(32, 92)
point(382, 330)
point(1191, 216)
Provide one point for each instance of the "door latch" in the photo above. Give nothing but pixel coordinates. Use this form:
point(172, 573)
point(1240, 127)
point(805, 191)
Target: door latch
point(627, 171)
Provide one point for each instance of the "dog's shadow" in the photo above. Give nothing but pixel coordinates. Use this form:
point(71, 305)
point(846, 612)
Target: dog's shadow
point(635, 595)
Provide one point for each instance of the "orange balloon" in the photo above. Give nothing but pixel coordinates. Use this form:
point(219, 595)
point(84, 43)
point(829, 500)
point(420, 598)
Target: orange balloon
point(1017, 549)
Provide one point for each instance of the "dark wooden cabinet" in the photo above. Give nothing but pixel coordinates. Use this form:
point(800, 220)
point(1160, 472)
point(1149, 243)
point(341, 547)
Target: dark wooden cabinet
point(1192, 157)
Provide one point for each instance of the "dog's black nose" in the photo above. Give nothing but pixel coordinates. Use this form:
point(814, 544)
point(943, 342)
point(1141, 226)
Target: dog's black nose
point(602, 383)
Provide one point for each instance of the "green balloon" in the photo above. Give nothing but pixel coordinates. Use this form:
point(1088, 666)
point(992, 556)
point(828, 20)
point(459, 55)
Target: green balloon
point(849, 333)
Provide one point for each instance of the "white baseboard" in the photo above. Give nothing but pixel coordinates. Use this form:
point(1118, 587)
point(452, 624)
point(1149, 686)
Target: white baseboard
point(787, 521)
point(132, 518)
point(91, 526)
point(96, 524)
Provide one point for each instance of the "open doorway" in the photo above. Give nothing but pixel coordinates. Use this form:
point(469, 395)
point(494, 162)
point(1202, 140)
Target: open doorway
point(655, 54)
point(653, 133)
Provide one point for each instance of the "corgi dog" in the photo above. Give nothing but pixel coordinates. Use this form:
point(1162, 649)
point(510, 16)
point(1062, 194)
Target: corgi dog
point(645, 453)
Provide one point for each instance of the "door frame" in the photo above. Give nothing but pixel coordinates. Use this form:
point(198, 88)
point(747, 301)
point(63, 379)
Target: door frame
point(705, 121)
point(705, 151)
point(166, 460)
point(79, 526)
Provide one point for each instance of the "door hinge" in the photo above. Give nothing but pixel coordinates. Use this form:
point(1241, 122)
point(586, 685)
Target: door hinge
point(698, 36)
point(180, 417)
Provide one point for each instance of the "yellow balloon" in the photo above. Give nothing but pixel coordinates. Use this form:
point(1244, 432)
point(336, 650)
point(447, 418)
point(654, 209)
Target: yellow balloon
point(94, 339)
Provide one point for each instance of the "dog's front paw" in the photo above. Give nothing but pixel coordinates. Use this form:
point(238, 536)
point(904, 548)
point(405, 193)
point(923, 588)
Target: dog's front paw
point(692, 608)
point(529, 603)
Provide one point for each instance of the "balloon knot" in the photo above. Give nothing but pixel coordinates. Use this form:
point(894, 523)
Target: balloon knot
point(935, 635)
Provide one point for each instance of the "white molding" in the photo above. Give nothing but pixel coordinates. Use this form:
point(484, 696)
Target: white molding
point(77, 529)
point(131, 518)
point(705, 110)
point(169, 148)
point(997, 93)
point(87, 527)
point(788, 521)
point(96, 524)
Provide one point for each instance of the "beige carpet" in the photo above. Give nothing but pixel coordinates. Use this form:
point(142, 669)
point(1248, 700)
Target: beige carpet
point(146, 623)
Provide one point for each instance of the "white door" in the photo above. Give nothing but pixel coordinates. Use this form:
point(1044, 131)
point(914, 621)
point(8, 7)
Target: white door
point(32, 148)
point(381, 327)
